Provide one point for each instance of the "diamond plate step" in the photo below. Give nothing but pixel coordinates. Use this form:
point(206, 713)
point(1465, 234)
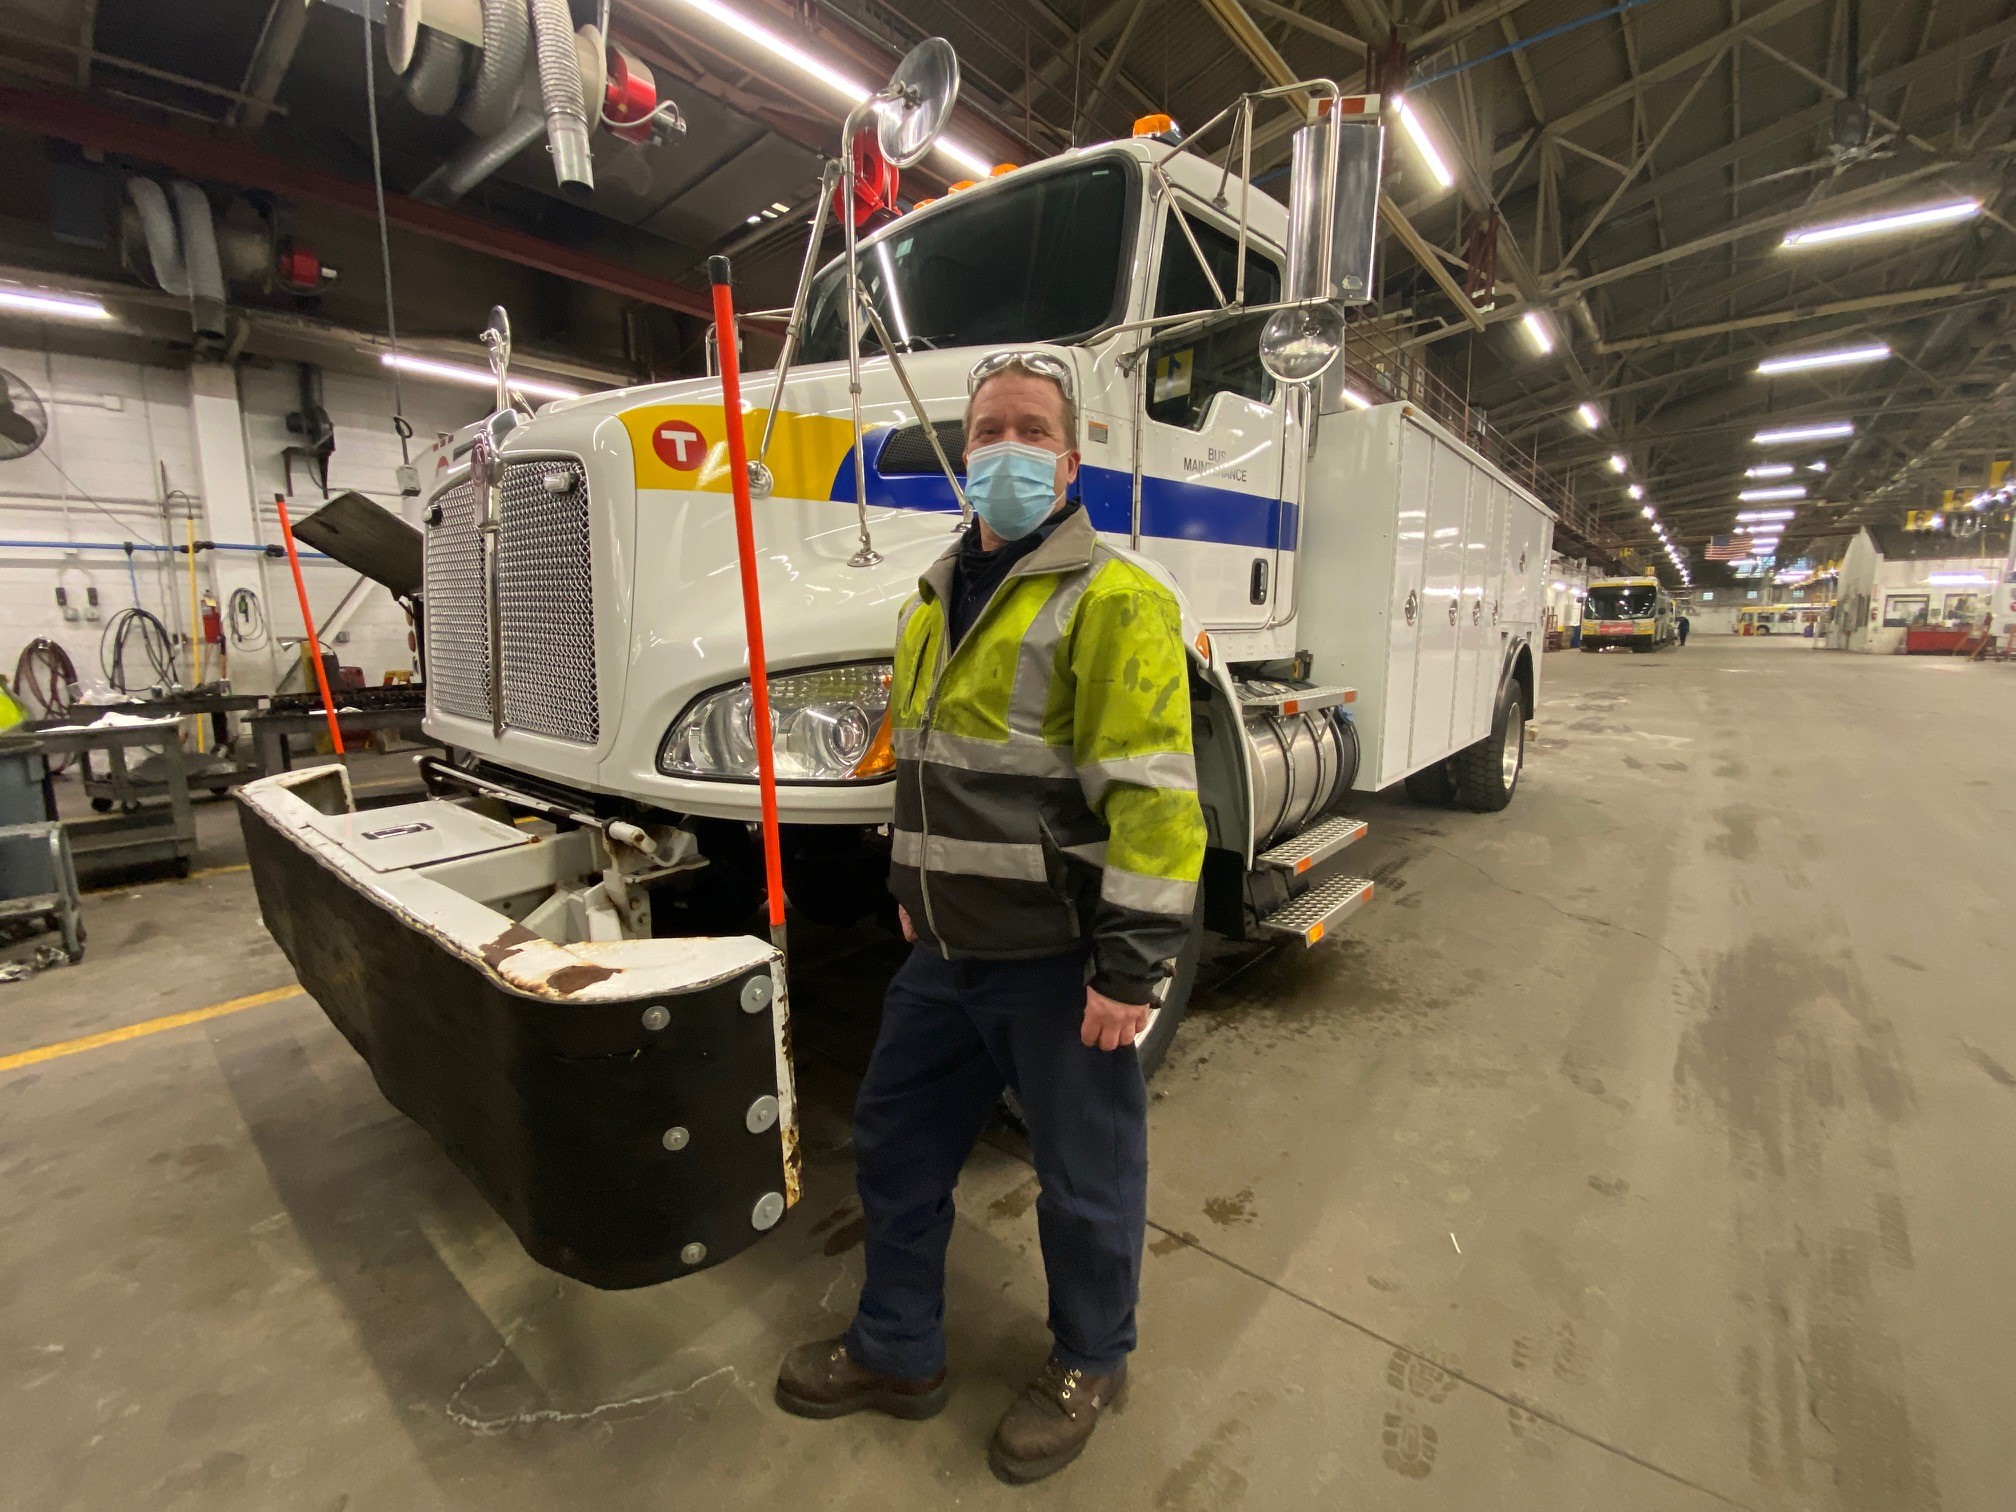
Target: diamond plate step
point(1313, 846)
point(1288, 701)
point(1318, 911)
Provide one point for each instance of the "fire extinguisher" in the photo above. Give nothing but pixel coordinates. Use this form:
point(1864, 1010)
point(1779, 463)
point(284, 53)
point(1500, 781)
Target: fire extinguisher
point(213, 621)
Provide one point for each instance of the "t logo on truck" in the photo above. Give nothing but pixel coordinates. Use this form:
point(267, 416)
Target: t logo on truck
point(679, 445)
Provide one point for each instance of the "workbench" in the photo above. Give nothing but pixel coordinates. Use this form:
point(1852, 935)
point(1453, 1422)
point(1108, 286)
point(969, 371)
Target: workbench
point(151, 832)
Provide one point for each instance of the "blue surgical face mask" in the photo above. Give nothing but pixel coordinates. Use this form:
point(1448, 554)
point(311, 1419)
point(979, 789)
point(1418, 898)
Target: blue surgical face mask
point(1012, 486)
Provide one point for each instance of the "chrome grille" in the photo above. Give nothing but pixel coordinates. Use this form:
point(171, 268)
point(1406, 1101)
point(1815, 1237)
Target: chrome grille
point(457, 625)
point(546, 602)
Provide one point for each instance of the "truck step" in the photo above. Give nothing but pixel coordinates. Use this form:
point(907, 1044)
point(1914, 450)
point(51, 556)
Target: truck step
point(1318, 911)
point(1314, 846)
point(1287, 701)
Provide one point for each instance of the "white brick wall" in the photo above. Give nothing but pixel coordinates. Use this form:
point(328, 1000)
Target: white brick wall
point(114, 428)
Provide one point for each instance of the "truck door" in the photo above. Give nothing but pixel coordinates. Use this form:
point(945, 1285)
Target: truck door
point(1212, 435)
point(1442, 604)
point(1476, 630)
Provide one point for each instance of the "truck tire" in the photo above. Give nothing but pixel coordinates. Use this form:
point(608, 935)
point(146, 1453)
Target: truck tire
point(1432, 785)
point(1488, 772)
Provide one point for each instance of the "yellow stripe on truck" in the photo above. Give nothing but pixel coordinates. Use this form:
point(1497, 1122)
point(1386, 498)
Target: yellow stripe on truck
point(683, 446)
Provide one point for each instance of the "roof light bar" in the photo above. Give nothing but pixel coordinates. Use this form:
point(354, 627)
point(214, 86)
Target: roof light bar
point(1940, 214)
point(1761, 495)
point(850, 90)
point(1826, 430)
point(1424, 145)
point(1538, 331)
point(475, 377)
point(49, 302)
point(1800, 362)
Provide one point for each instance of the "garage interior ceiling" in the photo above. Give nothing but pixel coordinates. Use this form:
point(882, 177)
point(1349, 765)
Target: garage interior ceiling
point(1644, 160)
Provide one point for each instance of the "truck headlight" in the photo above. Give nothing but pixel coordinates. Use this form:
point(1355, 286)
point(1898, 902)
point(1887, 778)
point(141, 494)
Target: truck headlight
point(826, 727)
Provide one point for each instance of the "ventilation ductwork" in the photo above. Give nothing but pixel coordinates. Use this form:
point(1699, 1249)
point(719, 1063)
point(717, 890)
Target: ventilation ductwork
point(566, 103)
point(182, 248)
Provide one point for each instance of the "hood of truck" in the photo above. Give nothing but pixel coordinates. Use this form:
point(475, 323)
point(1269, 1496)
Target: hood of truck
point(667, 614)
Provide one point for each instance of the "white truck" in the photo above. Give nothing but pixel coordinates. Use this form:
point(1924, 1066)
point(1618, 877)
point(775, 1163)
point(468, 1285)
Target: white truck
point(549, 962)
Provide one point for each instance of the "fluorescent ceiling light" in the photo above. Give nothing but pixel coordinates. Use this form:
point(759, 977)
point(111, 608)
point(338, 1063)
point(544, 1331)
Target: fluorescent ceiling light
point(1751, 515)
point(1820, 467)
point(1356, 400)
point(1875, 351)
point(49, 302)
point(1876, 225)
point(1538, 331)
point(1769, 470)
point(1760, 495)
point(1424, 145)
point(1589, 415)
point(850, 90)
point(1646, 511)
point(1636, 490)
point(1826, 430)
point(1617, 463)
point(475, 377)
point(1954, 579)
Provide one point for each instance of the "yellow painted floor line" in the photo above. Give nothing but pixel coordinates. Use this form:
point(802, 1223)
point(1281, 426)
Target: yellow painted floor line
point(146, 1027)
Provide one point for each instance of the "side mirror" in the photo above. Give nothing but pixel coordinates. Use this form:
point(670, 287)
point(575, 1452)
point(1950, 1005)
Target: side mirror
point(1333, 232)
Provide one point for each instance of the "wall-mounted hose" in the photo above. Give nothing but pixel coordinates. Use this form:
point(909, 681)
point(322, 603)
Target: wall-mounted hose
point(566, 104)
point(500, 73)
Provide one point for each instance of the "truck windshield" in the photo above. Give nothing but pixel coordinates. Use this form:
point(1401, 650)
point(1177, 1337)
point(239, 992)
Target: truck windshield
point(1035, 261)
point(1633, 601)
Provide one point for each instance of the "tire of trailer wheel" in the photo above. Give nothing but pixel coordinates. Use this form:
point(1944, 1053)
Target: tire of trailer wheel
point(1487, 773)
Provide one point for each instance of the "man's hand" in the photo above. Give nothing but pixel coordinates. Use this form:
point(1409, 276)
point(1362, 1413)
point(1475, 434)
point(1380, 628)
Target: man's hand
point(1109, 1025)
point(909, 929)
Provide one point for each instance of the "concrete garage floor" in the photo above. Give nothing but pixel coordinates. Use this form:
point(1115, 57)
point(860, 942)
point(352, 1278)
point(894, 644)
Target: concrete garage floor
point(1701, 1053)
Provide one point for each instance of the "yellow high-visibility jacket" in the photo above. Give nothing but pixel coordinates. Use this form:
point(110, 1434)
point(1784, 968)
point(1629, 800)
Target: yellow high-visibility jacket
point(1045, 788)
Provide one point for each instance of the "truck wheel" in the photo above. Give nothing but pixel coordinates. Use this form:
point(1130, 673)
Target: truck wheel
point(1433, 785)
point(1487, 772)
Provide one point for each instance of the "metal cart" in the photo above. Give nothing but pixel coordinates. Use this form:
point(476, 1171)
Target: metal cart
point(127, 781)
point(38, 877)
point(159, 829)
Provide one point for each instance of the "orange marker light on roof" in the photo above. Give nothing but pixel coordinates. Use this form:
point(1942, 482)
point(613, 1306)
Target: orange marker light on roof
point(929, 199)
point(1152, 125)
point(1000, 168)
point(962, 184)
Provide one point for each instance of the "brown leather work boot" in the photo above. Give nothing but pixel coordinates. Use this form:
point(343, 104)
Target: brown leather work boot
point(822, 1381)
point(1047, 1427)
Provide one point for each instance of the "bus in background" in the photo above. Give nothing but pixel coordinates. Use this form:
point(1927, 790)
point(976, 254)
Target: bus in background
point(1630, 612)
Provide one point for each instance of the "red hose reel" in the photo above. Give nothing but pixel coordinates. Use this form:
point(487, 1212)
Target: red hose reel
point(875, 181)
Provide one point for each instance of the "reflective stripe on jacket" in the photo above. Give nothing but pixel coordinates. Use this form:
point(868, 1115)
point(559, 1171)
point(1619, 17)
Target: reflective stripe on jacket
point(1045, 790)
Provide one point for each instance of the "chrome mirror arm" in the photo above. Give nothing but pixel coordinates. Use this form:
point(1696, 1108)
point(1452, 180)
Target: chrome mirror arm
point(924, 420)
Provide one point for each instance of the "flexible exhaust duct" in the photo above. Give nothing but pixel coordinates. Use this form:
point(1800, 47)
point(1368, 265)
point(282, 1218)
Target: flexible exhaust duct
point(566, 105)
point(435, 78)
point(507, 39)
point(199, 255)
point(164, 246)
point(477, 161)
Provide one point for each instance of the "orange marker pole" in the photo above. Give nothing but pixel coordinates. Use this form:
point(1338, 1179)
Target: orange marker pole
point(308, 619)
point(752, 606)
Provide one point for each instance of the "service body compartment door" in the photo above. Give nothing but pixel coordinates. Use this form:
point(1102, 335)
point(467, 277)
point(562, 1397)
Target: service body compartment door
point(1407, 611)
point(1441, 603)
point(1477, 638)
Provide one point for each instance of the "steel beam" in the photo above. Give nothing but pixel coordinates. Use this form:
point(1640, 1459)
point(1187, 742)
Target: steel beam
point(1809, 312)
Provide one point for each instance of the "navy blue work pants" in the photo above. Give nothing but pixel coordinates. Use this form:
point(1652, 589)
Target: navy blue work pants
point(953, 1034)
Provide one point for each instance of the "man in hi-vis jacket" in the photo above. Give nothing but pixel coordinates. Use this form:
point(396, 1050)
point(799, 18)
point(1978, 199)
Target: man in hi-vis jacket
point(1046, 846)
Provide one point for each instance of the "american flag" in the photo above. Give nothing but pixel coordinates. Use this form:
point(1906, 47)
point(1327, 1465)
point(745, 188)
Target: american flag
point(1724, 548)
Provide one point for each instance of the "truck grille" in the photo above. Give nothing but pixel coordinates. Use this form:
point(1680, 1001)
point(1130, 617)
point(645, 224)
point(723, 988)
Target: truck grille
point(545, 597)
point(458, 628)
point(546, 602)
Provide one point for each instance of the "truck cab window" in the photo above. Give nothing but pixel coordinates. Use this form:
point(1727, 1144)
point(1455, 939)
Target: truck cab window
point(1035, 259)
point(1186, 372)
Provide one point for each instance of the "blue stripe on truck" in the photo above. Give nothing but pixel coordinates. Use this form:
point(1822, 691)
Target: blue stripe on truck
point(1171, 508)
